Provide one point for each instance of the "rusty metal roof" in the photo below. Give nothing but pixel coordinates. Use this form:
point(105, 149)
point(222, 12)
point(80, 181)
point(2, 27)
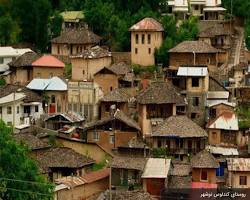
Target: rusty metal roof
point(238, 164)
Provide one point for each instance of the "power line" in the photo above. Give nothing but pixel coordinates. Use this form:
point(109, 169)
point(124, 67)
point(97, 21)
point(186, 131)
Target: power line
point(26, 191)
point(22, 181)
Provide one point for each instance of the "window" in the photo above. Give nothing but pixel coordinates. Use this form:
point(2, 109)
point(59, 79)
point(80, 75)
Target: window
point(136, 51)
point(243, 180)
point(196, 7)
point(111, 88)
point(149, 50)
point(196, 101)
point(9, 123)
point(1, 110)
point(111, 139)
point(149, 39)
point(203, 175)
point(193, 115)
point(17, 110)
point(107, 108)
point(142, 38)
point(195, 82)
point(26, 109)
point(96, 136)
point(83, 72)
point(36, 109)
point(9, 110)
point(159, 143)
point(53, 99)
point(1, 60)
point(136, 38)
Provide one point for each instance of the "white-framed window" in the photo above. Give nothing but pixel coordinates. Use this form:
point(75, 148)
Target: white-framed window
point(9, 110)
point(17, 110)
point(111, 139)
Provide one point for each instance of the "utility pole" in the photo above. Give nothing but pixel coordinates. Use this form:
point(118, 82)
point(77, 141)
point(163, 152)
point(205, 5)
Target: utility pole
point(231, 14)
point(14, 112)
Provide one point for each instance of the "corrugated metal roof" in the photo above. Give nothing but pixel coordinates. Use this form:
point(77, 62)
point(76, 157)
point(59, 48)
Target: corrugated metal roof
point(238, 164)
point(157, 168)
point(11, 97)
point(11, 52)
point(52, 84)
point(214, 9)
point(217, 95)
point(192, 71)
point(223, 151)
point(226, 121)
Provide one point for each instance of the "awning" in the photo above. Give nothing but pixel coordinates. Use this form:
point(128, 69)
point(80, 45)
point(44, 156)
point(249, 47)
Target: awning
point(212, 9)
point(192, 71)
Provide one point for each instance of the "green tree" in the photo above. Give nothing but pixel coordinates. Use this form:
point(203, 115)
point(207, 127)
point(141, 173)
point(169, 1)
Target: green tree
point(55, 25)
point(19, 176)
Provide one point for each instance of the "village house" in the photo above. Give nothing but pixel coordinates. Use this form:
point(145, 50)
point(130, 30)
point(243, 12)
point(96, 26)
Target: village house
point(118, 75)
point(87, 63)
point(112, 131)
point(21, 68)
point(194, 53)
point(238, 172)
point(72, 19)
point(223, 130)
point(47, 66)
point(194, 82)
point(204, 166)
point(54, 93)
point(154, 108)
point(179, 136)
point(135, 147)
point(84, 98)
point(8, 54)
point(218, 37)
point(119, 98)
point(72, 42)
point(203, 9)
point(146, 37)
point(19, 105)
point(57, 162)
point(60, 120)
point(155, 175)
point(82, 187)
point(126, 171)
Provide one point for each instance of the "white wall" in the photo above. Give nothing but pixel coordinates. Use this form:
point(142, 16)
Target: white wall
point(9, 117)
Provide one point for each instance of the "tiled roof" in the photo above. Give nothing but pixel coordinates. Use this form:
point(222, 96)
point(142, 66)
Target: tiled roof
point(48, 61)
point(117, 95)
point(61, 157)
point(238, 164)
point(24, 60)
point(33, 142)
point(179, 182)
point(77, 36)
point(129, 163)
point(168, 94)
point(119, 115)
point(215, 85)
point(31, 96)
point(70, 116)
point(74, 181)
point(179, 126)
point(120, 68)
point(204, 159)
point(181, 169)
point(193, 46)
point(147, 24)
point(217, 30)
point(93, 52)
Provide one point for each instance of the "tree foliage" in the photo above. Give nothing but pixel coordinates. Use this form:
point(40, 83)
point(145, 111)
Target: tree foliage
point(18, 173)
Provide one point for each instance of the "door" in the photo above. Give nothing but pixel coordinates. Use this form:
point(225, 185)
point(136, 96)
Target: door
point(155, 185)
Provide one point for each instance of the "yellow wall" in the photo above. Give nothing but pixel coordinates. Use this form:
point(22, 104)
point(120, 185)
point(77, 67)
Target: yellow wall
point(84, 69)
point(64, 49)
point(143, 57)
point(47, 72)
point(92, 150)
point(106, 81)
point(234, 179)
point(211, 175)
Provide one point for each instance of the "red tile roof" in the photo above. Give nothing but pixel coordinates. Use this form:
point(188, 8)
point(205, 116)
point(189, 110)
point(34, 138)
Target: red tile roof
point(95, 176)
point(48, 61)
point(148, 24)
